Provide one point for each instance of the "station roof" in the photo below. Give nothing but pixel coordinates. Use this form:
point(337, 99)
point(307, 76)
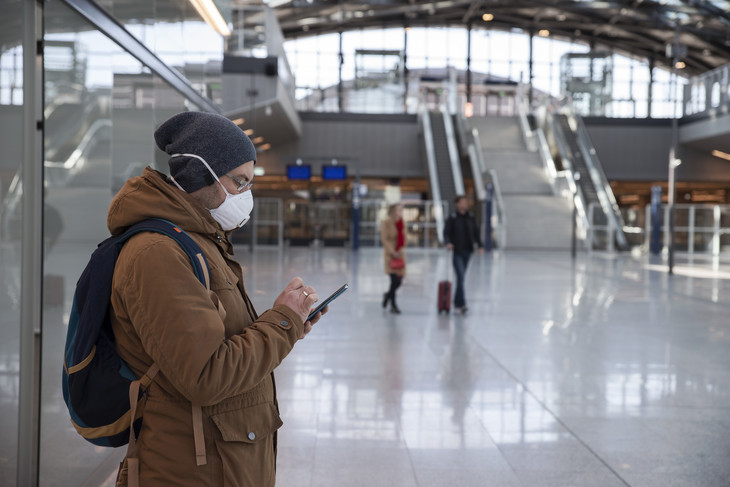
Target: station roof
point(640, 28)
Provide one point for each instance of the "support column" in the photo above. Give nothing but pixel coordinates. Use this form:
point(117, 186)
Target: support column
point(529, 64)
point(468, 63)
point(339, 76)
point(405, 68)
point(32, 248)
point(650, 90)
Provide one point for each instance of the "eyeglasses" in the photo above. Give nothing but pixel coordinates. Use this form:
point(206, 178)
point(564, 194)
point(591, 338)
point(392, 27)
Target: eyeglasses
point(242, 185)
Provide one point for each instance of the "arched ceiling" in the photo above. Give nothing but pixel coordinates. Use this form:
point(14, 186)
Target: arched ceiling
point(642, 28)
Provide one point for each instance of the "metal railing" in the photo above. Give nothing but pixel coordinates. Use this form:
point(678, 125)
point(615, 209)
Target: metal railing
point(523, 109)
point(419, 217)
point(708, 93)
point(699, 228)
point(268, 222)
point(499, 218)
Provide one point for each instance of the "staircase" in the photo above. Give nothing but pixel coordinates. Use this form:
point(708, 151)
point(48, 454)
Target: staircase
point(535, 218)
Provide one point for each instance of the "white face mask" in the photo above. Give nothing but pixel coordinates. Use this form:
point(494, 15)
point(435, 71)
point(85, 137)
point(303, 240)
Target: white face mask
point(235, 210)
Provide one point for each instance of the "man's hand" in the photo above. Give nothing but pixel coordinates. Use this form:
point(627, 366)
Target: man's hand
point(315, 319)
point(300, 299)
point(449, 246)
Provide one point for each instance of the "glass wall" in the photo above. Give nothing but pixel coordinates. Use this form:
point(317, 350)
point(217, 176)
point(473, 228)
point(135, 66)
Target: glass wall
point(101, 108)
point(11, 141)
point(499, 60)
point(176, 34)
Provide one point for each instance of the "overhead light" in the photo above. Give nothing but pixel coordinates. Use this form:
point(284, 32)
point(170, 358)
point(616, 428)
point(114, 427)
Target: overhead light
point(264, 147)
point(259, 171)
point(488, 17)
point(276, 3)
point(680, 65)
point(211, 15)
point(309, 21)
point(248, 132)
point(721, 154)
point(468, 109)
point(543, 33)
point(257, 140)
point(239, 121)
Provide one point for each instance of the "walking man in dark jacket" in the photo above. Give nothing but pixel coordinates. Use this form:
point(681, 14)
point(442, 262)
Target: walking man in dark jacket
point(461, 233)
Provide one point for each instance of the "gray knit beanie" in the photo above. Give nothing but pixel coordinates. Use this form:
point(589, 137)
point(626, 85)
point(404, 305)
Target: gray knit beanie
point(213, 137)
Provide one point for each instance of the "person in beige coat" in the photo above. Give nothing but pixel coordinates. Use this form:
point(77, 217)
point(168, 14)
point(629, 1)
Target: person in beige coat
point(392, 236)
point(216, 354)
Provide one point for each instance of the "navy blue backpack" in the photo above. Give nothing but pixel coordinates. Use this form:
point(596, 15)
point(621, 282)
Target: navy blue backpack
point(98, 387)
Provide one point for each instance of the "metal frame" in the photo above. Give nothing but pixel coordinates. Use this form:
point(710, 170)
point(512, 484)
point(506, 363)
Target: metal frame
point(716, 230)
point(109, 26)
point(31, 272)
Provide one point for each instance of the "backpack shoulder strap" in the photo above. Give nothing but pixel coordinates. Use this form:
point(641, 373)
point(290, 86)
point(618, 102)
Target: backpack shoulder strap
point(165, 227)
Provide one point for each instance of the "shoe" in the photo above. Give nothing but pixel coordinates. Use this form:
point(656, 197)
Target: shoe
point(385, 300)
point(394, 309)
point(462, 309)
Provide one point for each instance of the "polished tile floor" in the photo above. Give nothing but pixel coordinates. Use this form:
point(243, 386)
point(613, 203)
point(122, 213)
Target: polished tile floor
point(602, 371)
point(599, 371)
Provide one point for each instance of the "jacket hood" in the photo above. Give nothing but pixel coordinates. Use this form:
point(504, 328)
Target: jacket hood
point(151, 196)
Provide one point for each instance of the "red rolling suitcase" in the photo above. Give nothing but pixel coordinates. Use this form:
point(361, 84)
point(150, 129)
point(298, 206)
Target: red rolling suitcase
point(444, 295)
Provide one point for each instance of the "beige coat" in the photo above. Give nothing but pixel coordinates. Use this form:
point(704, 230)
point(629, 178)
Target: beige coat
point(389, 239)
point(161, 313)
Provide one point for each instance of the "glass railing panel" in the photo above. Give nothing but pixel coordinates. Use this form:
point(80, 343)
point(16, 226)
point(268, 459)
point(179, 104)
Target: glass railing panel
point(101, 111)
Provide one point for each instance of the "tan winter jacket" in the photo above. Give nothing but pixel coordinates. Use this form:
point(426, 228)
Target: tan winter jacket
point(161, 313)
point(389, 239)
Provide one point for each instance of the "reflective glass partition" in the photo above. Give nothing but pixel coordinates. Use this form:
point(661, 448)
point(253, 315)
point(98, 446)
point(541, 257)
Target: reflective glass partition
point(11, 141)
point(101, 109)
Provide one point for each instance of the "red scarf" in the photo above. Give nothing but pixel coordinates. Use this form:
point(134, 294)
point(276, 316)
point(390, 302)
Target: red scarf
point(401, 239)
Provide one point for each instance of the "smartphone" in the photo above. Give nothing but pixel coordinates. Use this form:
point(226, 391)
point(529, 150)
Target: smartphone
point(327, 301)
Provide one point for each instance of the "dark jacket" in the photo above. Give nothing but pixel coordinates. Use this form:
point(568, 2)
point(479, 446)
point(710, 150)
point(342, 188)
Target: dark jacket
point(222, 361)
point(462, 231)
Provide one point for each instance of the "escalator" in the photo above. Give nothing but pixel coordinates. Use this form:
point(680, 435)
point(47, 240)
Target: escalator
point(579, 157)
point(442, 161)
point(444, 172)
point(579, 167)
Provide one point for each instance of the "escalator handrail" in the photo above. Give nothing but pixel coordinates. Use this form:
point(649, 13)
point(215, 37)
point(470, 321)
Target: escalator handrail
point(454, 161)
point(501, 229)
point(528, 135)
point(423, 115)
point(578, 197)
point(474, 153)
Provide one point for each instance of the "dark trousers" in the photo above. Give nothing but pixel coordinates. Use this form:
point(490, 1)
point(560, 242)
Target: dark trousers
point(460, 260)
point(395, 281)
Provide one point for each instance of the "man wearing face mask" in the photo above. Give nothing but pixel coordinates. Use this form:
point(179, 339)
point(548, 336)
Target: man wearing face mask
point(211, 416)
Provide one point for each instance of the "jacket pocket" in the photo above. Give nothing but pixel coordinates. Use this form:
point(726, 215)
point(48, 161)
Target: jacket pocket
point(246, 449)
point(222, 279)
point(222, 288)
point(248, 425)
